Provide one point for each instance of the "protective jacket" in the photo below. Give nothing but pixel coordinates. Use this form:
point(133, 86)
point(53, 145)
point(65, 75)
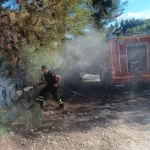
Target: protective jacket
point(50, 78)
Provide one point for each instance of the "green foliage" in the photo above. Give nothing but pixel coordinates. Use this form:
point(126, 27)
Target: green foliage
point(45, 27)
point(133, 26)
point(4, 122)
point(33, 118)
point(35, 34)
point(107, 10)
point(40, 56)
point(52, 21)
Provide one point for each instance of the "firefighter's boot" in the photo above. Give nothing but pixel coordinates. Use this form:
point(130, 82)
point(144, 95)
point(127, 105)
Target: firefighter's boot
point(61, 104)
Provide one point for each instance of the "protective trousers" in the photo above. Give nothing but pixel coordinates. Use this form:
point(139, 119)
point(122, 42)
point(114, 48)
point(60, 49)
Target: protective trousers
point(49, 89)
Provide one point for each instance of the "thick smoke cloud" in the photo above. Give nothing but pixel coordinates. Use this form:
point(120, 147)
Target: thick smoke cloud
point(85, 53)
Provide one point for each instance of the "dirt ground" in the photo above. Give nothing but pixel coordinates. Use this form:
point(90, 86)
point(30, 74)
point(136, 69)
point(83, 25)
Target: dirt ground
point(87, 126)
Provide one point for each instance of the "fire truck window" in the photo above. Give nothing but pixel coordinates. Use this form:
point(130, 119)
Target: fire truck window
point(137, 57)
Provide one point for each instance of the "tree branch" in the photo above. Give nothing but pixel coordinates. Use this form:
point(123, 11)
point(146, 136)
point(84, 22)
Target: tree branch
point(48, 6)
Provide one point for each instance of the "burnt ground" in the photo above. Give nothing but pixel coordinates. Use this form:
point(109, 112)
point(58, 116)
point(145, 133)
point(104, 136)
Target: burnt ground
point(86, 125)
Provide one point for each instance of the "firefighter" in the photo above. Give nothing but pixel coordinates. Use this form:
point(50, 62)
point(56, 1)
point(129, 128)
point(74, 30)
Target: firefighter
point(52, 82)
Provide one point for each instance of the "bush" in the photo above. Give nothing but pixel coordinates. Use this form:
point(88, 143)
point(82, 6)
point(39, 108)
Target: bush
point(4, 122)
point(32, 118)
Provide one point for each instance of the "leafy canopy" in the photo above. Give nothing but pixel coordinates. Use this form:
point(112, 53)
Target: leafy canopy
point(33, 29)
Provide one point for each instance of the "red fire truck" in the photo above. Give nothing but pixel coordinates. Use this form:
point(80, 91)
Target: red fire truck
point(127, 61)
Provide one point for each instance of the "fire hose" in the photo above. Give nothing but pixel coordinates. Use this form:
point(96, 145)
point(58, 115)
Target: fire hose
point(76, 93)
point(90, 98)
point(84, 96)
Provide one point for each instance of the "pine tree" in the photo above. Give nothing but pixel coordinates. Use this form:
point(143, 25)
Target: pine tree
point(107, 10)
point(35, 31)
point(35, 28)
